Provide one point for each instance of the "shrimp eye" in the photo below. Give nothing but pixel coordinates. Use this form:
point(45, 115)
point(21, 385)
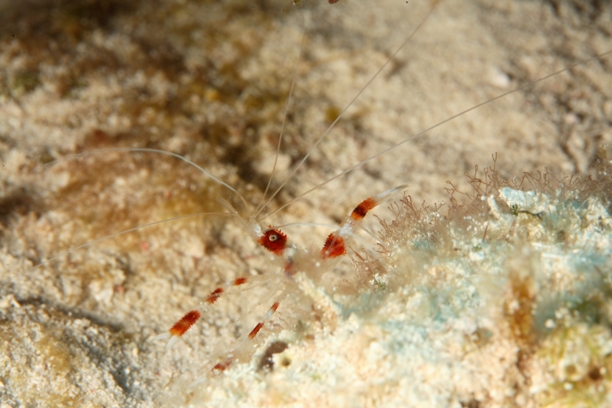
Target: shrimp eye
point(274, 240)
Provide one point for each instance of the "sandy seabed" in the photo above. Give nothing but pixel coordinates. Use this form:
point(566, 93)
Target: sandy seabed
point(501, 303)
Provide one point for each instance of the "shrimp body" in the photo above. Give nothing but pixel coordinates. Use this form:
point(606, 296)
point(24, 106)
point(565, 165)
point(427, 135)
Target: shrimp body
point(292, 259)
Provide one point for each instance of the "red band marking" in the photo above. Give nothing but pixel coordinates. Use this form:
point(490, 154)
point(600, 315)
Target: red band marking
point(256, 330)
point(240, 281)
point(362, 209)
point(214, 295)
point(333, 248)
point(274, 240)
point(185, 323)
point(222, 366)
point(289, 267)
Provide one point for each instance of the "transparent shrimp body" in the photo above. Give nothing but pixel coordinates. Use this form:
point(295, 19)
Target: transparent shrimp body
point(292, 260)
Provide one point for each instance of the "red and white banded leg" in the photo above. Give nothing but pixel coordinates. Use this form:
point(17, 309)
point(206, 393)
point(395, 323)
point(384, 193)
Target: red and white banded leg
point(244, 343)
point(190, 318)
point(337, 242)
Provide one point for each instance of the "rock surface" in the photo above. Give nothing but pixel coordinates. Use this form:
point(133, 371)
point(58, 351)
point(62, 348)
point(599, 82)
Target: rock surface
point(209, 81)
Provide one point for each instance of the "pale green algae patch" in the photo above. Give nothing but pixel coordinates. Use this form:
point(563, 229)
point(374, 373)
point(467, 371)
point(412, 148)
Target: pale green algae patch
point(521, 275)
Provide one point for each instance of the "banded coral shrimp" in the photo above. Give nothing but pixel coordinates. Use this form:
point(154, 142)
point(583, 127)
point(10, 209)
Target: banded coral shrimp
point(148, 280)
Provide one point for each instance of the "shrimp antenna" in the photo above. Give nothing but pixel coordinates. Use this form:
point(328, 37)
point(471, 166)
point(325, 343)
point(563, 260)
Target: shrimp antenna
point(250, 225)
point(429, 129)
point(351, 103)
point(149, 150)
point(282, 131)
point(127, 231)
